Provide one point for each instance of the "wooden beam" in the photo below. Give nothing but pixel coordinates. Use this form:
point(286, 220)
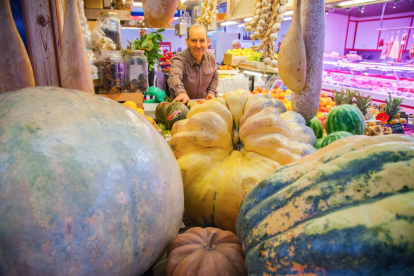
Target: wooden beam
point(57, 8)
point(39, 24)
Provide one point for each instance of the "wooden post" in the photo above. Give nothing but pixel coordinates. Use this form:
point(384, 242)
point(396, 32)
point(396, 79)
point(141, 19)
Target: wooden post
point(41, 19)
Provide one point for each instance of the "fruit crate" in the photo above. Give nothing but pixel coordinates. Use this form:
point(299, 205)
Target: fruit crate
point(123, 97)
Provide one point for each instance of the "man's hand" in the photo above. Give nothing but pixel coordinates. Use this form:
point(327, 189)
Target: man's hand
point(210, 97)
point(183, 97)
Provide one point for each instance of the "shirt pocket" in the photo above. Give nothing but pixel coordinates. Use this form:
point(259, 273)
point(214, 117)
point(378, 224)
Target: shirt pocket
point(207, 77)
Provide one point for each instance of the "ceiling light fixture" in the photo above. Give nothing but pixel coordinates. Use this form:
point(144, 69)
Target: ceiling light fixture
point(241, 25)
point(248, 19)
point(288, 13)
point(229, 23)
point(287, 18)
point(358, 2)
point(137, 5)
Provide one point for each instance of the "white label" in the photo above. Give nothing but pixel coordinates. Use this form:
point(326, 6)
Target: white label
point(94, 72)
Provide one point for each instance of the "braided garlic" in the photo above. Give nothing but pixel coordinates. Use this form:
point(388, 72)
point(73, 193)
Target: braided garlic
point(208, 12)
point(266, 23)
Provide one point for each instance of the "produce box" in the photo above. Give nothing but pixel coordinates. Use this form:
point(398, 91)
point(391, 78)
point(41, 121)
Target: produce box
point(228, 59)
point(93, 4)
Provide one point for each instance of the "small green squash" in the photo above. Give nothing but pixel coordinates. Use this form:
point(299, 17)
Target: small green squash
point(317, 127)
point(333, 137)
point(161, 111)
point(176, 111)
point(345, 118)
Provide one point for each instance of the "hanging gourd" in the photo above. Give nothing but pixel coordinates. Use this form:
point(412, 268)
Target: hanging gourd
point(158, 13)
point(74, 65)
point(15, 70)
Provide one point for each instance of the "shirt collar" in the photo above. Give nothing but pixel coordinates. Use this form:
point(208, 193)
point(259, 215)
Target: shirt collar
point(191, 59)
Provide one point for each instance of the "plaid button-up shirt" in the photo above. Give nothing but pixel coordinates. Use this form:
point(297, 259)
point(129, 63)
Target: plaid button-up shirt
point(197, 80)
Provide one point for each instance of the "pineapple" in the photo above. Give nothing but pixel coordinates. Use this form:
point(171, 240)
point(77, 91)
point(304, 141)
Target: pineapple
point(363, 104)
point(393, 107)
point(343, 97)
point(349, 98)
point(338, 96)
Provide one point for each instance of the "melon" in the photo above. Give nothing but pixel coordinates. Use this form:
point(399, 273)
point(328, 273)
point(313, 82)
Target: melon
point(175, 112)
point(160, 112)
point(158, 13)
point(333, 137)
point(345, 118)
point(87, 186)
point(346, 209)
point(317, 127)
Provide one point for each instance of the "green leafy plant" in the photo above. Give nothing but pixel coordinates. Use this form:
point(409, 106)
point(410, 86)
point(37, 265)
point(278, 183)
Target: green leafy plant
point(150, 44)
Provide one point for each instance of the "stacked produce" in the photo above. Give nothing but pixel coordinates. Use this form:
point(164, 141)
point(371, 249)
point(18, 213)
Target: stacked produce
point(165, 62)
point(226, 145)
point(266, 22)
point(241, 52)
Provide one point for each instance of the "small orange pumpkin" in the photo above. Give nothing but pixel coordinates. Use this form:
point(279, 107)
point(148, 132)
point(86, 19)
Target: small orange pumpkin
point(205, 252)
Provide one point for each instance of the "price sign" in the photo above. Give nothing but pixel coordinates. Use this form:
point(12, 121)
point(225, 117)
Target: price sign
point(397, 128)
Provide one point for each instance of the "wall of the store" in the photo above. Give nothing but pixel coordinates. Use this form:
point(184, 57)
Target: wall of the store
point(176, 42)
point(335, 33)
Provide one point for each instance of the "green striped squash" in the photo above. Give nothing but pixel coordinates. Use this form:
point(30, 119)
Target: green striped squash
point(345, 118)
point(347, 209)
point(87, 186)
point(317, 127)
point(333, 137)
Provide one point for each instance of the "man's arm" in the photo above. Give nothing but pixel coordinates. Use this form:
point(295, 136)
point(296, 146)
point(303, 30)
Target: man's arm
point(176, 76)
point(212, 88)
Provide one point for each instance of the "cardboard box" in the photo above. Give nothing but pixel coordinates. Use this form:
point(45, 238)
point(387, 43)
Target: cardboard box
point(93, 4)
point(228, 59)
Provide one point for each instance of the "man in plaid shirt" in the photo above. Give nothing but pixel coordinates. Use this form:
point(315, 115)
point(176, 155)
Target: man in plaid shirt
point(193, 73)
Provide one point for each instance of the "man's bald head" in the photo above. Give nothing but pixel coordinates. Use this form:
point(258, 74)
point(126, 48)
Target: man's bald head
point(194, 27)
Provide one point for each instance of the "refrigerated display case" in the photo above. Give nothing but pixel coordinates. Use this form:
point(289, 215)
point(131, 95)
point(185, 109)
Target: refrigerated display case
point(375, 79)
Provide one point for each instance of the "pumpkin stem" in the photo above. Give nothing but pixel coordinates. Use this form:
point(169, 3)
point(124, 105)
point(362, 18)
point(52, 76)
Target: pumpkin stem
point(209, 245)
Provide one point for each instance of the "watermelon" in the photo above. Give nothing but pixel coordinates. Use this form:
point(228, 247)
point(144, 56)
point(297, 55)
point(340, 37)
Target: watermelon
point(87, 186)
point(317, 127)
point(345, 118)
point(160, 112)
point(176, 111)
point(319, 143)
point(334, 136)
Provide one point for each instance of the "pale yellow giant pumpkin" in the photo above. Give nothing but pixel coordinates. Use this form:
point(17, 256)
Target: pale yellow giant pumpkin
point(226, 145)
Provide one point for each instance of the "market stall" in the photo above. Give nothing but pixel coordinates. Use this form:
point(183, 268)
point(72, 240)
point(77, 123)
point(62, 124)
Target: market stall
point(301, 164)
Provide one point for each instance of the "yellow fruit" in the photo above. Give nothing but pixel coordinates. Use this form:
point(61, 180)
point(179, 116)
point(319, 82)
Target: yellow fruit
point(139, 110)
point(328, 106)
point(288, 92)
point(323, 102)
point(229, 51)
point(130, 104)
